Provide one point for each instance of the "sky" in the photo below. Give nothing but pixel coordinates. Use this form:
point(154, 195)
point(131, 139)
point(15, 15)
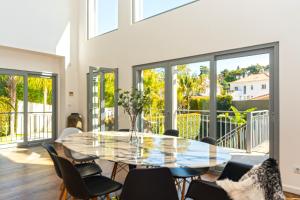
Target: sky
point(107, 11)
point(231, 64)
point(154, 7)
point(107, 16)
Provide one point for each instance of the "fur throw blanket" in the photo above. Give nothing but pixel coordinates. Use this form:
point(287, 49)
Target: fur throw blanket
point(262, 182)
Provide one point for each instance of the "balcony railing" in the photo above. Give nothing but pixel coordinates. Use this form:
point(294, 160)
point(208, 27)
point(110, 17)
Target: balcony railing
point(231, 133)
point(39, 126)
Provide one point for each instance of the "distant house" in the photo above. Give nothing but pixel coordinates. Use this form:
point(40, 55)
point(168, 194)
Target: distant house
point(250, 87)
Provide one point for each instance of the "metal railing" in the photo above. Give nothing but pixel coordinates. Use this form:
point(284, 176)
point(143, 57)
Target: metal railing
point(194, 124)
point(12, 129)
point(235, 139)
point(257, 128)
point(39, 125)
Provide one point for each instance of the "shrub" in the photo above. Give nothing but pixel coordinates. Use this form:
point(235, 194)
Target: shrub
point(224, 102)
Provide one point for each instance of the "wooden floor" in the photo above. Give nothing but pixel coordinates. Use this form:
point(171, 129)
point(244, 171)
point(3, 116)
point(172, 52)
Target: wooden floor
point(28, 174)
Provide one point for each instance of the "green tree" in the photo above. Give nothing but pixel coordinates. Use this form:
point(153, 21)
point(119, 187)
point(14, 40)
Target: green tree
point(204, 70)
point(153, 80)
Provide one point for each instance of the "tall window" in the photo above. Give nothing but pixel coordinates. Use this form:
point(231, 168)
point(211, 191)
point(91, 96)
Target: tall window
point(102, 17)
point(147, 8)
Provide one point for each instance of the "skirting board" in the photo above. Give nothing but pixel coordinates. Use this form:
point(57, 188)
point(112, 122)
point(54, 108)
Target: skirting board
point(291, 189)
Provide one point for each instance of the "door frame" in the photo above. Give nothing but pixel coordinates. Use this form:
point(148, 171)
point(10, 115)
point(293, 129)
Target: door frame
point(271, 48)
point(25, 75)
point(96, 71)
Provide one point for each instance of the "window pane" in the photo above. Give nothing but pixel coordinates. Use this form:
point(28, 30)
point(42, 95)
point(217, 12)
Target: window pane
point(244, 103)
point(148, 8)
point(103, 16)
point(40, 108)
point(11, 109)
point(153, 118)
point(193, 97)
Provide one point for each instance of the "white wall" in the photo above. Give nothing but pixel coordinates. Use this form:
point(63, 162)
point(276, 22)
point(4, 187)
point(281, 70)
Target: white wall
point(203, 27)
point(33, 24)
point(48, 26)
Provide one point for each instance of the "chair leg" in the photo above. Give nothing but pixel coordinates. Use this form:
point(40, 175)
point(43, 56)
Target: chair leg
point(114, 171)
point(65, 194)
point(183, 189)
point(61, 193)
point(62, 186)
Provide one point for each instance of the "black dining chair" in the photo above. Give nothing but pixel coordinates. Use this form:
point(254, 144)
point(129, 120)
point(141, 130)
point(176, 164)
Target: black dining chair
point(172, 132)
point(149, 184)
point(182, 174)
point(89, 187)
point(206, 190)
point(85, 169)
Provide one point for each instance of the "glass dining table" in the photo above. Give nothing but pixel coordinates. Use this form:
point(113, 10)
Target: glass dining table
point(147, 150)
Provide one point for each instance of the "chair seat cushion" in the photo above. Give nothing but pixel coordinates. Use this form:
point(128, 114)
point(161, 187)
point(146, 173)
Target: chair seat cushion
point(88, 169)
point(187, 172)
point(100, 185)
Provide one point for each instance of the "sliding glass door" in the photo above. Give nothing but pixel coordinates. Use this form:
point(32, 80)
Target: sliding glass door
point(230, 96)
point(103, 99)
point(243, 110)
point(27, 107)
point(193, 97)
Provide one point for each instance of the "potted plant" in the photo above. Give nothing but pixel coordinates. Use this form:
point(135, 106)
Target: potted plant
point(133, 103)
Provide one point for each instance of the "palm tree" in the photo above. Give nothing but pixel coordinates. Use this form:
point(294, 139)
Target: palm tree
point(186, 89)
point(11, 85)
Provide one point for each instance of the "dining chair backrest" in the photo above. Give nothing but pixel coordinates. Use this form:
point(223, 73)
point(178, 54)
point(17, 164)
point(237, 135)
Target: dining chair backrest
point(149, 184)
point(124, 130)
point(172, 132)
point(51, 150)
point(209, 140)
point(72, 179)
point(234, 171)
